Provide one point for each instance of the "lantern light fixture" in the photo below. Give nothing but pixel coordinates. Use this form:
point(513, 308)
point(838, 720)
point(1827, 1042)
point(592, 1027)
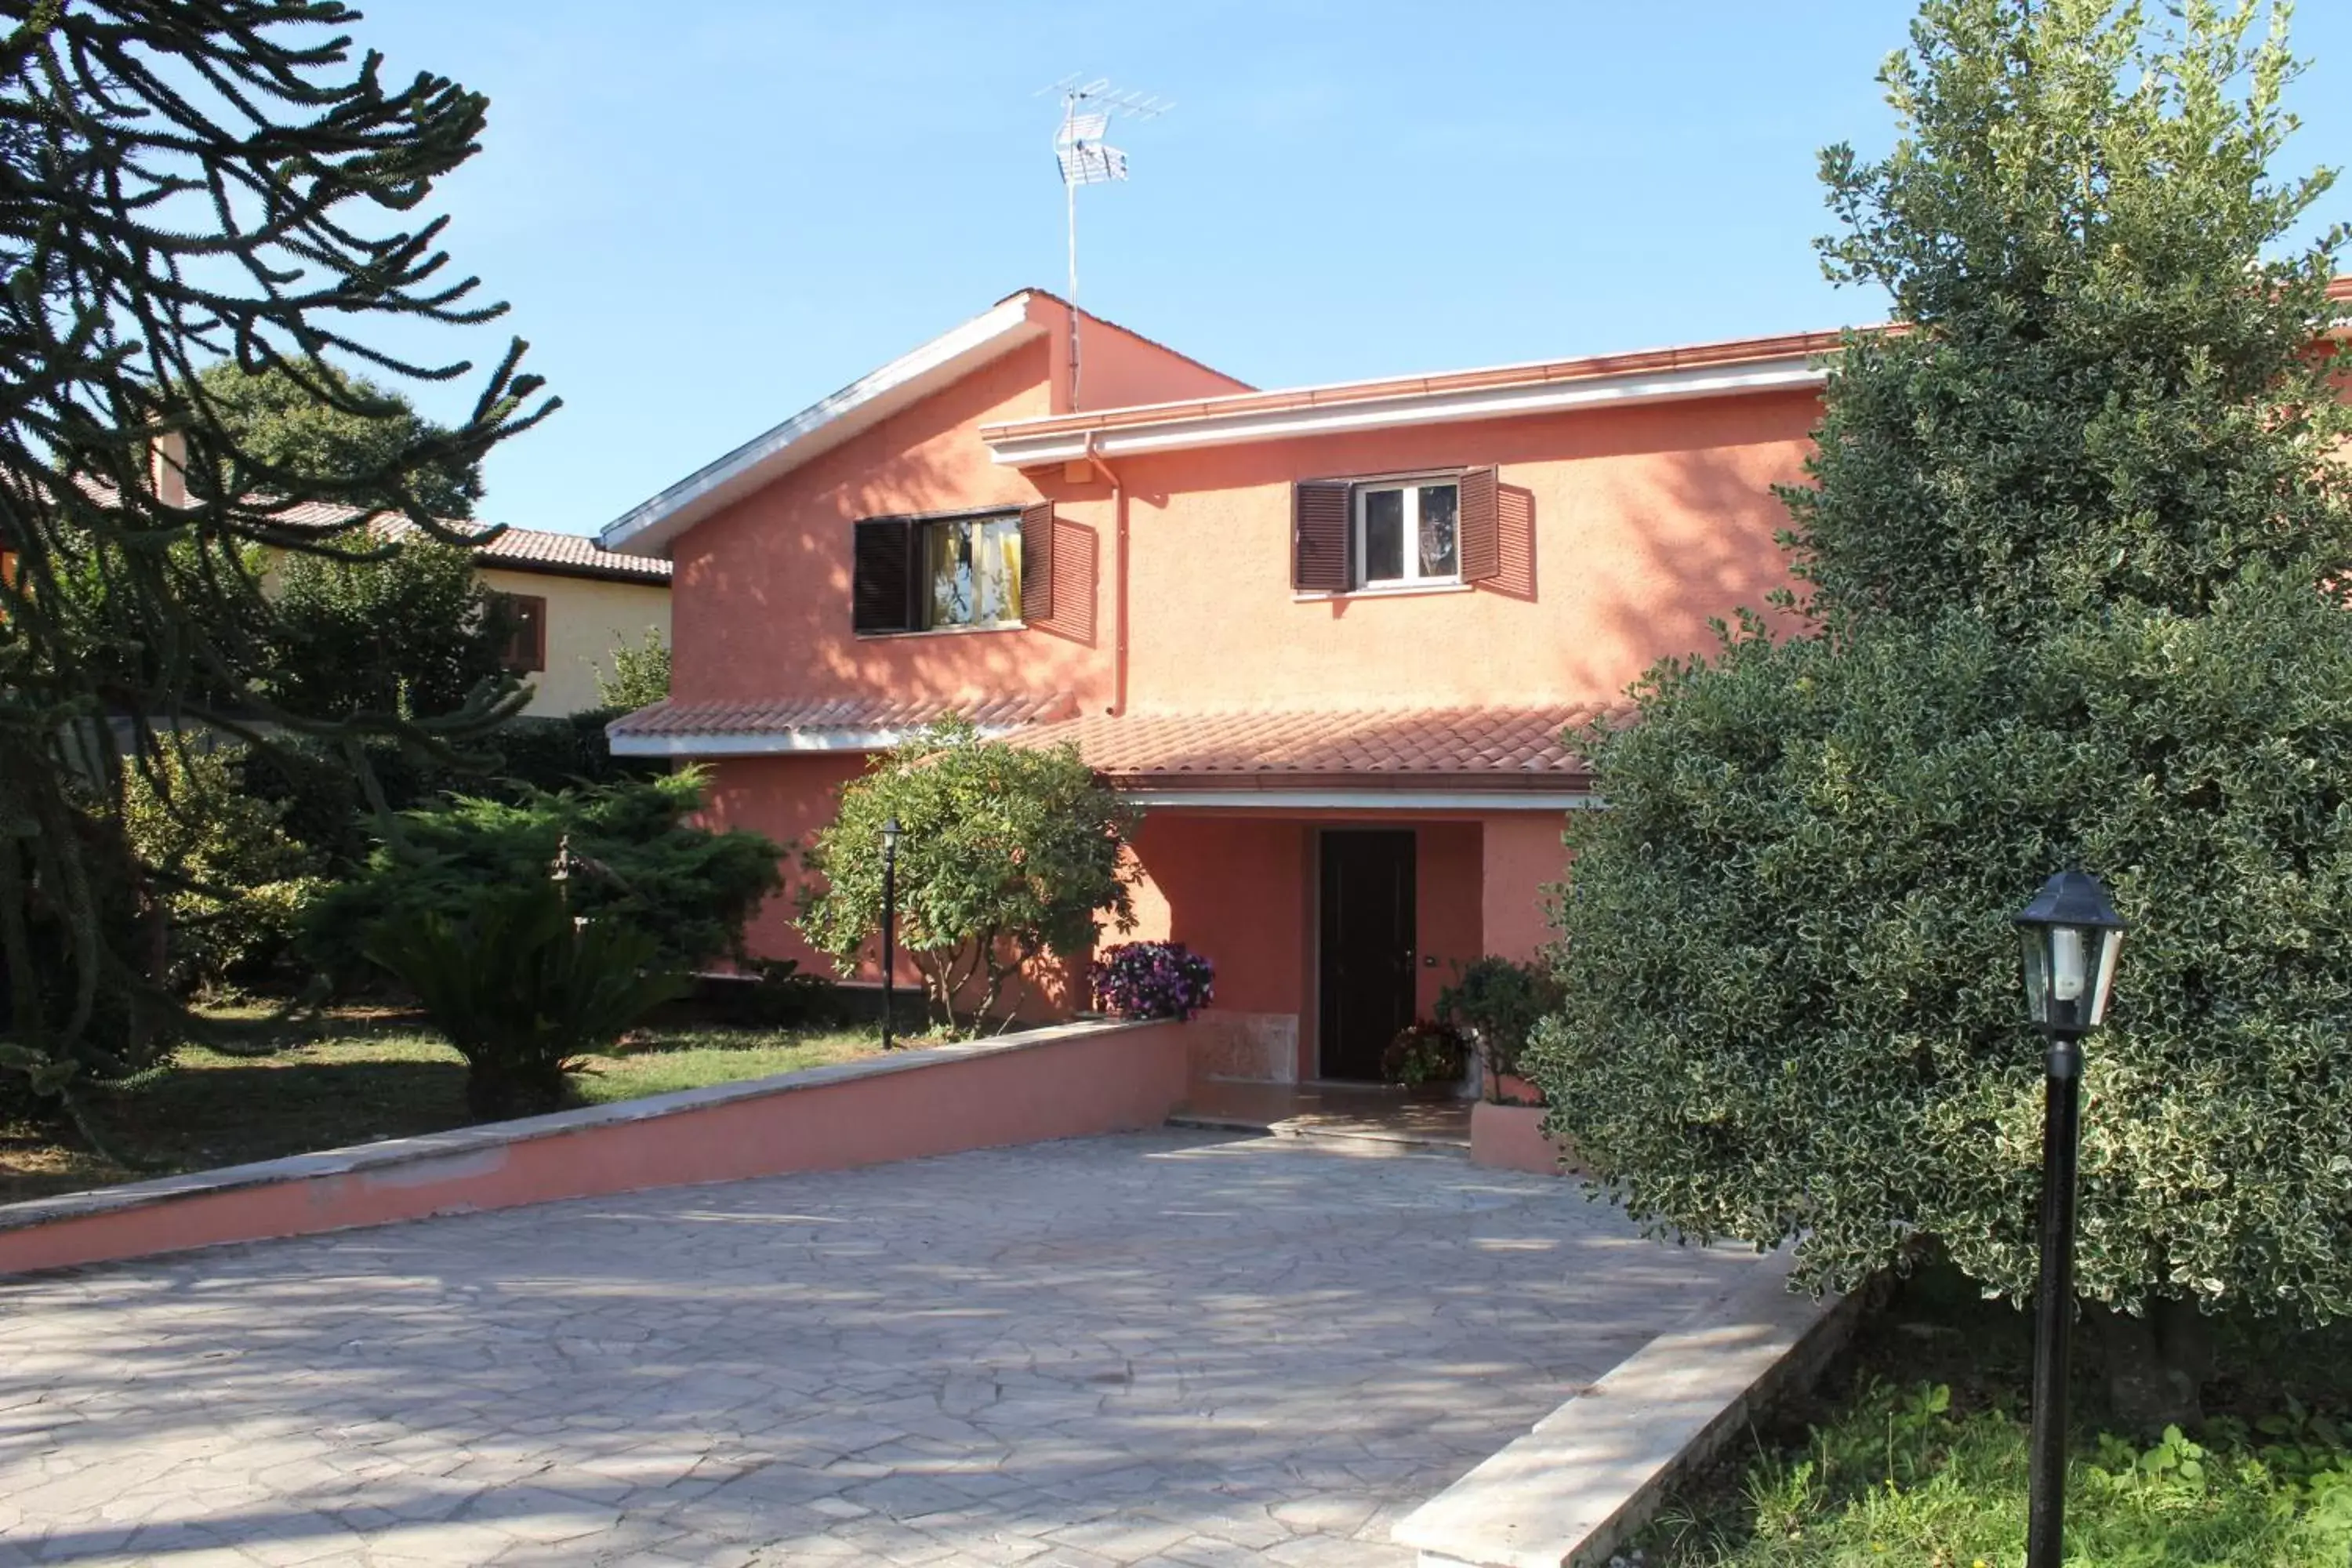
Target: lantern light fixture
point(2071, 937)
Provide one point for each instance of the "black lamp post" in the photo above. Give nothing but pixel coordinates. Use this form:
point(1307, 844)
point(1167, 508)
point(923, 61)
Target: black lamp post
point(2071, 936)
point(890, 925)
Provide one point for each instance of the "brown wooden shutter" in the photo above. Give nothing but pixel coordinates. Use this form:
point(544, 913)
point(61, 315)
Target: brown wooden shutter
point(1037, 561)
point(1480, 519)
point(1321, 531)
point(882, 575)
point(526, 619)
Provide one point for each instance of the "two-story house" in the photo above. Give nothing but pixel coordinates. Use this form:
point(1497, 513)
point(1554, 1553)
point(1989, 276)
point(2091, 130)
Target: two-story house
point(1330, 637)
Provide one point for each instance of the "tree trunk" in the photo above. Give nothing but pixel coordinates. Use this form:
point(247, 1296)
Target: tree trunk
point(2157, 1365)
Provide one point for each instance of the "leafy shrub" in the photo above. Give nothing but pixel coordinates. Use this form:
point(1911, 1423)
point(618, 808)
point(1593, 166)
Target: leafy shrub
point(2066, 548)
point(1153, 980)
point(640, 675)
point(324, 808)
point(413, 633)
point(230, 881)
point(556, 753)
point(1423, 1052)
point(643, 866)
point(522, 989)
point(1007, 853)
point(1496, 1004)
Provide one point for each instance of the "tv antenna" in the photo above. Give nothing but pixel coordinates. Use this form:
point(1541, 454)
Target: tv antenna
point(1084, 158)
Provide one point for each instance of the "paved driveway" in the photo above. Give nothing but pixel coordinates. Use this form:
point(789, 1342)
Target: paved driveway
point(1167, 1348)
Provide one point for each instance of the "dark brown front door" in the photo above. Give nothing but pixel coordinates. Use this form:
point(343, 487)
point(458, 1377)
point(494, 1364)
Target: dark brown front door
point(1367, 949)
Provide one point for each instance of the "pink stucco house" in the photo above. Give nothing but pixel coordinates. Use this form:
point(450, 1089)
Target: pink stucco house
point(1329, 636)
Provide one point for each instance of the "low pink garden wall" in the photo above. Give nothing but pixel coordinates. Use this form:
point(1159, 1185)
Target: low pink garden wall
point(1510, 1138)
point(1070, 1081)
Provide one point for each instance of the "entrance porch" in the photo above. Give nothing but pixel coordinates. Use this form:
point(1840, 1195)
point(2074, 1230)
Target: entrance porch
point(1333, 928)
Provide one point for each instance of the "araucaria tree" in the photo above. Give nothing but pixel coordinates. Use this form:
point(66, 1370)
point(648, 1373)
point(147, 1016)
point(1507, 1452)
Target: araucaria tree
point(2074, 558)
point(187, 182)
point(1006, 855)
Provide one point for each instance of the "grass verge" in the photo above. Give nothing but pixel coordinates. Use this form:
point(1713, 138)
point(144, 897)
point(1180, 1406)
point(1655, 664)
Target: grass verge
point(1916, 1455)
point(369, 1075)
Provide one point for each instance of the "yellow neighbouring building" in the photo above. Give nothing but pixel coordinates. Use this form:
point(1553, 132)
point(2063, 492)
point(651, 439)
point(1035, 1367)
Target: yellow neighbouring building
point(576, 602)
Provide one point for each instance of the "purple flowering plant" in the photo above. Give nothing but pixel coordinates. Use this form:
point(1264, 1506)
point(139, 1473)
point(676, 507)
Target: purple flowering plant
point(1153, 980)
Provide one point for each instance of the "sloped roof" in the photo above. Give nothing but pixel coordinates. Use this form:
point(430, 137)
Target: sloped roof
point(558, 554)
point(1736, 366)
point(1015, 320)
point(814, 725)
point(514, 549)
point(647, 528)
point(1419, 748)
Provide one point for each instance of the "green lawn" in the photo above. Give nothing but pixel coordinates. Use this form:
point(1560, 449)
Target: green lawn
point(1917, 1455)
point(367, 1075)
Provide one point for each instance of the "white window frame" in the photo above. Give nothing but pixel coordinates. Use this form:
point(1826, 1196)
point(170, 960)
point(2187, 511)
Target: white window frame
point(1411, 491)
point(923, 529)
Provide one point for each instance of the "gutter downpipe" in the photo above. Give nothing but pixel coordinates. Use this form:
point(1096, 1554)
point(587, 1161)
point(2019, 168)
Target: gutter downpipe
point(1118, 576)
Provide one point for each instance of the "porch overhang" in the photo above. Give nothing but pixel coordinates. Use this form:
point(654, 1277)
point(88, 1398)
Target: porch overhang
point(787, 728)
point(1501, 758)
point(1410, 798)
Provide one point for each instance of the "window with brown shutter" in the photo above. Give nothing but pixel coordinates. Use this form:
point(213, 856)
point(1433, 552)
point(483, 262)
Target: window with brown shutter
point(526, 618)
point(1396, 531)
point(882, 577)
point(1037, 591)
point(938, 573)
point(1479, 518)
point(1321, 531)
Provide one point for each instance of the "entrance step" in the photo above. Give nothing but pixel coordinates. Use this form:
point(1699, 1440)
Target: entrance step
point(1353, 1113)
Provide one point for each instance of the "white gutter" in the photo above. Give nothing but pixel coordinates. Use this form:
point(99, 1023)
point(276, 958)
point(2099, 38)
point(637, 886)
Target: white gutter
point(1369, 799)
point(643, 529)
point(772, 743)
point(1794, 371)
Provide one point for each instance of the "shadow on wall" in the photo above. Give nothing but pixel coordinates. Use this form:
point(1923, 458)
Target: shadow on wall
point(771, 577)
point(1700, 542)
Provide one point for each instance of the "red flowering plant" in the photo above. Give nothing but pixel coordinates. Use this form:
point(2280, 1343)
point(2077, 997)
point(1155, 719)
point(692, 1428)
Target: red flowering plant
point(1153, 980)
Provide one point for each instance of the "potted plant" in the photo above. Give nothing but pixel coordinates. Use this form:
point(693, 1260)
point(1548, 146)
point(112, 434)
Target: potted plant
point(1424, 1052)
point(1495, 1003)
point(1153, 980)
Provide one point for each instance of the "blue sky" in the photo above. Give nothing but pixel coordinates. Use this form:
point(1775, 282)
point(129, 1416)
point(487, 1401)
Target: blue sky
point(708, 214)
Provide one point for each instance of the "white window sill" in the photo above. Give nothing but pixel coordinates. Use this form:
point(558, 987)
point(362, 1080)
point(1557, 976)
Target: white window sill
point(1387, 591)
point(944, 631)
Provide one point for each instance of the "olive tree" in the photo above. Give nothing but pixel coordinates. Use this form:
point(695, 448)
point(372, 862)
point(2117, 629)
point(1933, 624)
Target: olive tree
point(2072, 558)
point(1006, 854)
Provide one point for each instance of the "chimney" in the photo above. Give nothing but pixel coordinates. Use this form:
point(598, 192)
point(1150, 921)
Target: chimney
point(167, 464)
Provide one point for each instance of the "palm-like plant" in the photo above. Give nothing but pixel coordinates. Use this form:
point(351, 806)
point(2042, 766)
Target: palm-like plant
point(521, 989)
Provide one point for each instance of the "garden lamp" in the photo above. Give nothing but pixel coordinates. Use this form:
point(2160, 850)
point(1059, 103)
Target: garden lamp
point(890, 831)
point(2069, 936)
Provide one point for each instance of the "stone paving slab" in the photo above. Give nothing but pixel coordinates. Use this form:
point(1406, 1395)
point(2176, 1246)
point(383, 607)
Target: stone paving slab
point(1170, 1348)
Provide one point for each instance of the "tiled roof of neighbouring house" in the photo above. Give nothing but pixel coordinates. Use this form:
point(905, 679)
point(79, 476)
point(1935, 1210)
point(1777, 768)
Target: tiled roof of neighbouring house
point(516, 550)
point(842, 723)
point(1466, 748)
point(532, 549)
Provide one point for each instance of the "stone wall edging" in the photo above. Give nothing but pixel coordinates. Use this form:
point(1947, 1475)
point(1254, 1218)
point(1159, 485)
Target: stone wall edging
point(1067, 1081)
point(1592, 1473)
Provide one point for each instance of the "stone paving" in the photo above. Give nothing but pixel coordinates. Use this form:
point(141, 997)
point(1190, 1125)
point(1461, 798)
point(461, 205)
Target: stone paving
point(1172, 1348)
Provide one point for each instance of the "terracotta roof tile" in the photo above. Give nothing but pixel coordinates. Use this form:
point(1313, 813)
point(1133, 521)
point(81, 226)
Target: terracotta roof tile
point(534, 549)
point(516, 550)
point(815, 717)
point(1475, 748)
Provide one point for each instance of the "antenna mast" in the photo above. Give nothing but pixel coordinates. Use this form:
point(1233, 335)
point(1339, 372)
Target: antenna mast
point(1085, 159)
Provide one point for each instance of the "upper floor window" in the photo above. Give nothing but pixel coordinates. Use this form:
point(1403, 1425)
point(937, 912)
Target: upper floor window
point(971, 571)
point(1406, 534)
point(1424, 531)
